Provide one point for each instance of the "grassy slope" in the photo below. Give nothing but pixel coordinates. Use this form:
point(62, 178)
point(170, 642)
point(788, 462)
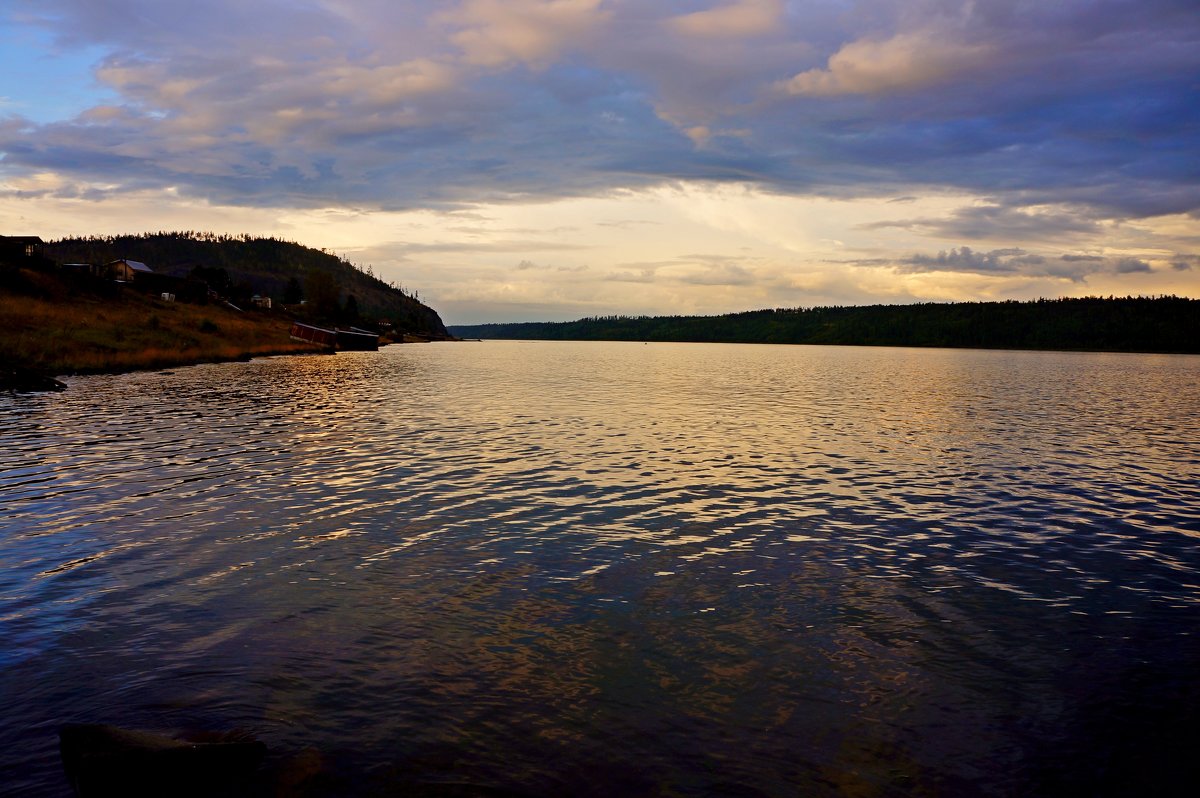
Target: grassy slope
point(265, 265)
point(54, 326)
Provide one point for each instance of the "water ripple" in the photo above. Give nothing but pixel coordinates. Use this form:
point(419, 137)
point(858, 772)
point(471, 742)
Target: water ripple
point(611, 568)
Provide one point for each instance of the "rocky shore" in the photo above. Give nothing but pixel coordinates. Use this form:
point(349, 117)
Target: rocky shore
point(22, 380)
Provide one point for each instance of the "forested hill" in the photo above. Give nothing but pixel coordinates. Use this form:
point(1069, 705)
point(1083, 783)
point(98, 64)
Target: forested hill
point(239, 266)
point(1130, 324)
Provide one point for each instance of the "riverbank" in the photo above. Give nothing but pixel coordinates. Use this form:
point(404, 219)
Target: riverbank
point(1163, 324)
point(54, 328)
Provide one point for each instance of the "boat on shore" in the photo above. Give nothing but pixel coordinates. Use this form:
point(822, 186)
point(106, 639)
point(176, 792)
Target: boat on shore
point(353, 339)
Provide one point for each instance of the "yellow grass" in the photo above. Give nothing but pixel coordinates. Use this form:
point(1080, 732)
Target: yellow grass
point(58, 332)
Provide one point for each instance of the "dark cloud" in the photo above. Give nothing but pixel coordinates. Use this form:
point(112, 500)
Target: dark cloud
point(997, 221)
point(1015, 261)
point(1082, 105)
point(965, 259)
point(1130, 265)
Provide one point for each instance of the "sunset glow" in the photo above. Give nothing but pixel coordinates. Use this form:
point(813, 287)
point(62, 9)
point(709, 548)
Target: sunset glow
point(547, 160)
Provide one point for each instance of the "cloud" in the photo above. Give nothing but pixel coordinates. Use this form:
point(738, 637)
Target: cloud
point(497, 33)
point(1069, 116)
point(312, 104)
point(1015, 261)
point(903, 62)
point(626, 224)
point(494, 246)
point(723, 273)
point(964, 259)
point(632, 276)
point(736, 20)
point(528, 265)
point(991, 221)
point(693, 270)
point(1130, 265)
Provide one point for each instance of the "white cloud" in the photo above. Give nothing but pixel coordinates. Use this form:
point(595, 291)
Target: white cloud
point(497, 33)
point(905, 61)
point(386, 84)
point(737, 20)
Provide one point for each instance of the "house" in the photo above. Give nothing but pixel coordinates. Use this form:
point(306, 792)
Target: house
point(126, 271)
point(263, 302)
point(84, 269)
point(22, 251)
point(21, 247)
point(182, 288)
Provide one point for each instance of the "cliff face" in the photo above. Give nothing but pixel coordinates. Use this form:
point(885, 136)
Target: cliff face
point(282, 270)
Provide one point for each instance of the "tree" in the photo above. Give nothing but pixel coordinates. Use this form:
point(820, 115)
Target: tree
point(216, 277)
point(323, 294)
point(292, 294)
point(350, 311)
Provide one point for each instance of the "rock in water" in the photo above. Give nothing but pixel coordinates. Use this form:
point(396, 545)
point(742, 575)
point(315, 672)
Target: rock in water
point(105, 760)
point(21, 380)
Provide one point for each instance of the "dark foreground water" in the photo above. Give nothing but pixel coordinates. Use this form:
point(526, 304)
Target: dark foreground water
point(618, 569)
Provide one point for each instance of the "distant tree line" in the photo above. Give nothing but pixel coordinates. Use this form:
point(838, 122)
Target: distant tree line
point(1120, 324)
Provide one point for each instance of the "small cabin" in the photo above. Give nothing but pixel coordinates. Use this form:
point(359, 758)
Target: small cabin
point(21, 247)
point(84, 270)
point(22, 251)
point(126, 271)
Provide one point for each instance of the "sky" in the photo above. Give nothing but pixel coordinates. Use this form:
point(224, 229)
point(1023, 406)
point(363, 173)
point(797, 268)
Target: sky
point(534, 160)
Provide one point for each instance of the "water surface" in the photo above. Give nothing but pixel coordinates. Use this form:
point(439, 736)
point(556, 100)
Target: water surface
point(617, 569)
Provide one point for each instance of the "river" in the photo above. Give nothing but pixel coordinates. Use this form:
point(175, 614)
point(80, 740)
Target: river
point(608, 569)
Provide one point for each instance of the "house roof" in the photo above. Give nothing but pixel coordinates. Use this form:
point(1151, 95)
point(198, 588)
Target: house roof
point(136, 265)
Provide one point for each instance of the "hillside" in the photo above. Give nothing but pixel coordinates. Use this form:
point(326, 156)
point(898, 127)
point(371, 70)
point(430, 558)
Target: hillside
point(1130, 324)
point(287, 272)
point(56, 324)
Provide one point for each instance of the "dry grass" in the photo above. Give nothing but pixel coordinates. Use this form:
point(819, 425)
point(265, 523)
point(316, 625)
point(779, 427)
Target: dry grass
point(55, 330)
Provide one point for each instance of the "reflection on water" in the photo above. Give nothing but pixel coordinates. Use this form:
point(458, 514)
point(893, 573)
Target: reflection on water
point(617, 569)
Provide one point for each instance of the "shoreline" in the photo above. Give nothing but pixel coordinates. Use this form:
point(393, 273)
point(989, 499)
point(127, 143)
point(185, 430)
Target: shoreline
point(53, 330)
point(24, 379)
point(56, 328)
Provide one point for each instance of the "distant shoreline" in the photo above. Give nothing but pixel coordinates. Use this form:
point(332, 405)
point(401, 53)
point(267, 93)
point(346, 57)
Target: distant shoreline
point(1151, 325)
